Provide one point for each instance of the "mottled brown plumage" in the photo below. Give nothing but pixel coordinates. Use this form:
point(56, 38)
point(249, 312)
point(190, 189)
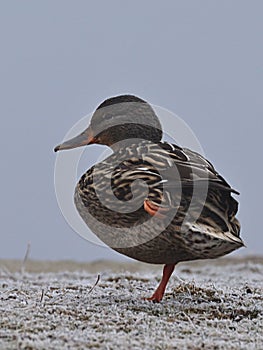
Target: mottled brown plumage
point(150, 200)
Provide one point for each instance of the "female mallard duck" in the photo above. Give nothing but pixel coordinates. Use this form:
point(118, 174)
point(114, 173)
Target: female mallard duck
point(150, 200)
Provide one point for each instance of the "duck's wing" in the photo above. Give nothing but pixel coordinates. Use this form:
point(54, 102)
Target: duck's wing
point(171, 174)
point(167, 166)
point(192, 169)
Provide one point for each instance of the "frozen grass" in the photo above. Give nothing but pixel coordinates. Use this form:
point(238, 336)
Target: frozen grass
point(213, 305)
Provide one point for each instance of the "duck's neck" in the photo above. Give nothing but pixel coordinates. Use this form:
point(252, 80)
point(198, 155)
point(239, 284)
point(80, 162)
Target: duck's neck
point(122, 136)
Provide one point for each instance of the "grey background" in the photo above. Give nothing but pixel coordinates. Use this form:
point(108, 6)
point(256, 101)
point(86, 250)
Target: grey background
point(60, 59)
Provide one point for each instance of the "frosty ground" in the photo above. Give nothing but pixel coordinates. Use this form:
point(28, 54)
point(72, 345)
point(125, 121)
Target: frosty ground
point(66, 305)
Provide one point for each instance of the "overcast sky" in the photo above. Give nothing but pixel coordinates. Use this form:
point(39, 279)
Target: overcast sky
point(60, 59)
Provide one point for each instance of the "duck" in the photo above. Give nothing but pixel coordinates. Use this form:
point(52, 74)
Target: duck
point(152, 200)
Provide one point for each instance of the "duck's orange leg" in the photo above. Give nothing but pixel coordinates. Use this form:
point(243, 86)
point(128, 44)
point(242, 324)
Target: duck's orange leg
point(154, 210)
point(158, 294)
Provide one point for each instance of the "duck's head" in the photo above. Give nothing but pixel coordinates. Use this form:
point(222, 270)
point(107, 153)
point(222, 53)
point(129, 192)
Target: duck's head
point(116, 119)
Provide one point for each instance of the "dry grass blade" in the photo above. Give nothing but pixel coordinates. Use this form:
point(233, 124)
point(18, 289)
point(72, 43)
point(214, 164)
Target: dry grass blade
point(25, 258)
point(98, 278)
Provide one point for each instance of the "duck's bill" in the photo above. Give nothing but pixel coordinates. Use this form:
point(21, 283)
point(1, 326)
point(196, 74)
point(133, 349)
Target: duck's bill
point(83, 139)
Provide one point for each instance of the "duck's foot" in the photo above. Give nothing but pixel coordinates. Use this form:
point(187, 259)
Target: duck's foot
point(155, 210)
point(158, 294)
point(156, 297)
